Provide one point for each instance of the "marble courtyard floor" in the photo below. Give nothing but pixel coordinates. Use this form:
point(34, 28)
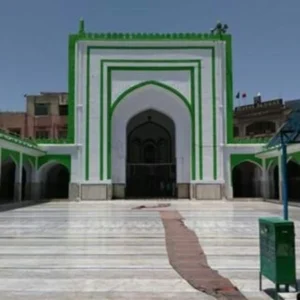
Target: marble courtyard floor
point(106, 250)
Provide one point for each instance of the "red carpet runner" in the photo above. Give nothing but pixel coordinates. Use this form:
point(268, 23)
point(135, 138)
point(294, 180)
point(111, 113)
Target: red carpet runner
point(188, 259)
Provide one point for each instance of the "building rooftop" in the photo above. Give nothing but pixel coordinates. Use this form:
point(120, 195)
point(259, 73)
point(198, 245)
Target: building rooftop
point(219, 32)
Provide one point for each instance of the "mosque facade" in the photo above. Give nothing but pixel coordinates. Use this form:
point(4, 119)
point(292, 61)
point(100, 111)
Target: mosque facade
point(150, 116)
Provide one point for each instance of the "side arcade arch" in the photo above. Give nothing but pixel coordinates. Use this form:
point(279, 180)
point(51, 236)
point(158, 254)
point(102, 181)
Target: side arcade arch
point(8, 180)
point(273, 181)
point(246, 180)
point(293, 180)
point(15, 186)
point(54, 180)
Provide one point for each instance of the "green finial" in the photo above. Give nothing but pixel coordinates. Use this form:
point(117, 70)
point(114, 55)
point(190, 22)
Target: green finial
point(81, 25)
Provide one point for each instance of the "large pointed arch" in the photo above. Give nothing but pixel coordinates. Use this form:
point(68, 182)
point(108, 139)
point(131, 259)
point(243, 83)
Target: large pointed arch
point(148, 96)
point(144, 84)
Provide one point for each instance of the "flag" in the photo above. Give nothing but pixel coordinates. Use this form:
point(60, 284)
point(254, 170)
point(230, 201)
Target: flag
point(239, 95)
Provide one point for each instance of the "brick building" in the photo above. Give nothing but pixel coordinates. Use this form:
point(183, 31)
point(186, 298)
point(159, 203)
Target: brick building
point(45, 117)
point(261, 118)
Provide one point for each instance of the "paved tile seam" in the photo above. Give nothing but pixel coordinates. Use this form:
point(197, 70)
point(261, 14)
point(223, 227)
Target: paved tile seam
point(99, 228)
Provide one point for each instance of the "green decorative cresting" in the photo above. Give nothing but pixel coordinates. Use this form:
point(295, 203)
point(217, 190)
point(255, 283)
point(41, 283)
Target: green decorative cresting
point(88, 36)
point(237, 159)
point(251, 140)
point(19, 141)
point(52, 141)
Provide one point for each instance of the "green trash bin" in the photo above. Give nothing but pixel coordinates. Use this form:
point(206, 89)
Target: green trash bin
point(277, 252)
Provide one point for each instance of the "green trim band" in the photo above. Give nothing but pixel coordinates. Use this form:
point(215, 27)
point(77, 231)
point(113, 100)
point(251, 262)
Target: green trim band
point(115, 36)
point(146, 68)
point(74, 39)
point(162, 48)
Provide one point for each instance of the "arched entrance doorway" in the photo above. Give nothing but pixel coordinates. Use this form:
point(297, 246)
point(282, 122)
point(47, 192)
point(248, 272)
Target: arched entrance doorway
point(150, 163)
point(293, 180)
point(162, 101)
point(246, 180)
point(11, 185)
point(274, 182)
point(55, 181)
point(8, 181)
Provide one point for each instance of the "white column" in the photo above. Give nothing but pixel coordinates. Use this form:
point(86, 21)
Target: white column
point(18, 179)
point(279, 176)
point(264, 181)
point(228, 175)
point(35, 184)
point(0, 164)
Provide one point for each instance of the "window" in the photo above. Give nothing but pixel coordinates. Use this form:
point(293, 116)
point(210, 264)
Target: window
point(236, 131)
point(262, 127)
point(62, 133)
point(42, 134)
point(63, 110)
point(41, 109)
point(15, 131)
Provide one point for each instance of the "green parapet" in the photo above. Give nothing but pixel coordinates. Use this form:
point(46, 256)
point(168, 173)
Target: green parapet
point(52, 141)
point(249, 140)
point(16, 139)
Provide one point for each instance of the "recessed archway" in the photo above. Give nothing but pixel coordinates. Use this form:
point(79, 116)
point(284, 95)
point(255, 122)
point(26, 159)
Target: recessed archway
point(246, 180)
point(8, 180)
point(293, 180)
point(157, 99)
point(55, 178)
point(27, 179)
point(273, 175)
point(151, 162)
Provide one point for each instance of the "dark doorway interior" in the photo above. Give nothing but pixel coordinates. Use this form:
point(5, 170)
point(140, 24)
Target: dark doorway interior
point(56, 185)
point(244, 181)
point(151, 168)
point(276, 183)
point(7, 187)
point(293, 181)
point(24, 182)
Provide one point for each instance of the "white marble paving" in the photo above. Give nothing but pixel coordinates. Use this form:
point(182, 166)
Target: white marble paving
point(106, 250)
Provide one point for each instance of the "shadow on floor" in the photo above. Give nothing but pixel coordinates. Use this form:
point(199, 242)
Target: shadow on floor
point(15, 205)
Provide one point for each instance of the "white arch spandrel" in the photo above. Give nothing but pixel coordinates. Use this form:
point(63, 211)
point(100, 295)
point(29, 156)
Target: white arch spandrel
point(161, 100)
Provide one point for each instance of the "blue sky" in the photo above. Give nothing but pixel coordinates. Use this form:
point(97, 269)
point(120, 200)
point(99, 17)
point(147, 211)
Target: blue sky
point(266, 43)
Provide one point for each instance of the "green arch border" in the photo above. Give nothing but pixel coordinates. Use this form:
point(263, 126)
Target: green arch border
point(270, 162)
point(295, 156)
point(237, 159)
point(144, 84)
point(140, 86)
point(7, 153)
point(63, 159)
point(30, 160)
